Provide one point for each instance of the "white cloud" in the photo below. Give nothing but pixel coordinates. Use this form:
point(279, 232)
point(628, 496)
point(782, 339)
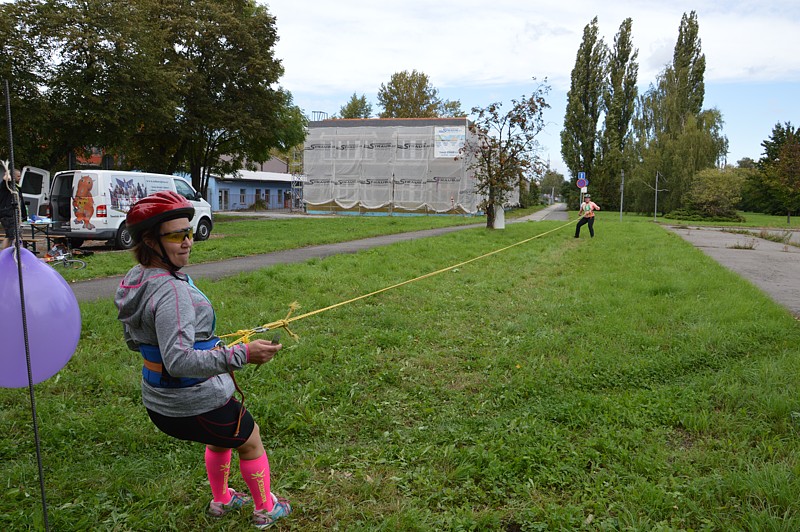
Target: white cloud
point(480, 52)
point(355, 45)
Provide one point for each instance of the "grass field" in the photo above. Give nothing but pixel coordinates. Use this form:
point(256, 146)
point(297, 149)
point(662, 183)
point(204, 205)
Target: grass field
point(625, 382)
point(238, 237)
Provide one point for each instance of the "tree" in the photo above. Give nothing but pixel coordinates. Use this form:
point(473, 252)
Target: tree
point(781, 167)
point(584, 99)
point(411, 95)
point(688, 68)
point(501, 148)
point(451, 109)
point(674, 137)
point(229, 101)
point(356, 108)
point(552, 182)
point(23, 64)
point(619, 104)
point(168, 85)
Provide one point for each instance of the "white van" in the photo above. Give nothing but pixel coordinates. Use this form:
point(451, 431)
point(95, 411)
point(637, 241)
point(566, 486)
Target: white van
point(92, 204)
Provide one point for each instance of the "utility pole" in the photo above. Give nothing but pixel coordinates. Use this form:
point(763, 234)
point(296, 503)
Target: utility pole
point(621, 194)
point(655, 209)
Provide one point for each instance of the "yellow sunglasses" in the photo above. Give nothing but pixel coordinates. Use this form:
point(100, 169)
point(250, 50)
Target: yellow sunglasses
point(177, 237)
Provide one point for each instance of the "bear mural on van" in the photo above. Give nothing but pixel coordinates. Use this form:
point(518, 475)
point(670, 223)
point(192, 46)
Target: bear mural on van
point(83, 203)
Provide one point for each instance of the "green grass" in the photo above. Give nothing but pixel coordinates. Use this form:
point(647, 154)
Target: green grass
point(625, 382)
point(235, 236)
point(751, 219)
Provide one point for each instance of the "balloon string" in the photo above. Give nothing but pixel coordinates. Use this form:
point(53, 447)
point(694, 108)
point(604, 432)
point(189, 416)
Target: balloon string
point(24, 318)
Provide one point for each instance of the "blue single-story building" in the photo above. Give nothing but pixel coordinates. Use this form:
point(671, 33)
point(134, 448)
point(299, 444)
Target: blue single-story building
point(257, 190)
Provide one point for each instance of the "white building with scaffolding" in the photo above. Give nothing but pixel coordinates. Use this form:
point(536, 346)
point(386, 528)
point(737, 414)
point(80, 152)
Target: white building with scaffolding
point(388, 166)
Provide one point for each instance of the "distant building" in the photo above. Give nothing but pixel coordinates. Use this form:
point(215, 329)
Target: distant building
point(255, 190)
point(389, 166)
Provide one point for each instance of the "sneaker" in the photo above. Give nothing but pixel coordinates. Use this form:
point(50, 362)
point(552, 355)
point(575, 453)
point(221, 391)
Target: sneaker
point(263, 519)
point(218, 509)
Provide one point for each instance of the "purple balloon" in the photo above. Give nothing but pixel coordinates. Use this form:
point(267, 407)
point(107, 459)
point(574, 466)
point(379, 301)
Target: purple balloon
point(53, 319)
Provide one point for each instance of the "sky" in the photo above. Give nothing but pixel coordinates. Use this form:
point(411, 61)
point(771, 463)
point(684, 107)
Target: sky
point(482, 52)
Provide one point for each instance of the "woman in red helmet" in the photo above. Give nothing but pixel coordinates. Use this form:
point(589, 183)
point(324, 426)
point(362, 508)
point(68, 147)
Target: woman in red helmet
point(187, 375)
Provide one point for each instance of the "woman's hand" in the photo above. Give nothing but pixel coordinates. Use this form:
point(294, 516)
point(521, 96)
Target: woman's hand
point(261, 351)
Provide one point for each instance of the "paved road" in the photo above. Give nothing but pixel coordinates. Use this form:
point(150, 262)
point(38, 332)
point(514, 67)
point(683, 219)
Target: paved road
point(773, 267)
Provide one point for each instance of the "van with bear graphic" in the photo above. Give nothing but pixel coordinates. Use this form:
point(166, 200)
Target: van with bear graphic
point(92, 204)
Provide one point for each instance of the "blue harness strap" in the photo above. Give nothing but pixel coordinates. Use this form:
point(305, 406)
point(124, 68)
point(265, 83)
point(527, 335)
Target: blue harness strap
point(155, 374)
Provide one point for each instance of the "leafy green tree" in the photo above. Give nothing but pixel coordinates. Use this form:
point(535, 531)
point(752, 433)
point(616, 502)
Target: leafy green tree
point(746, 162)
point(356, 108)
point(168, 85)
point(229, 101)
point(579, 138)
point(451, 109)
point(674, 137)
point(501, 148)
point(411, 95)
point(688, 69)
point(552, 182)
point(781, 167)
point(23, 65)
point(619, 104)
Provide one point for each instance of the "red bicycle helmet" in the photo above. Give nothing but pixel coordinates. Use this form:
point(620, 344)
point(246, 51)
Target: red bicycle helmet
point(155, 209)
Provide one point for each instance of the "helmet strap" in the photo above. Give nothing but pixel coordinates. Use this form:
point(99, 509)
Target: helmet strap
point(165, 259)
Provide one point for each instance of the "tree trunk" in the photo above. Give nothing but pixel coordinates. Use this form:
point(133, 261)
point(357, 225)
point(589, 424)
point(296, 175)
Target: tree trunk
point(490, 210)
point(490, 215)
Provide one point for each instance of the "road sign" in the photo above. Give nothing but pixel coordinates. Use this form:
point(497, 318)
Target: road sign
point(582, 182)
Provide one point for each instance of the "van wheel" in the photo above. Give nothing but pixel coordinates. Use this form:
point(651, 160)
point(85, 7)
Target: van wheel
point(203, 230)
point(76, 242)
point(124, 239)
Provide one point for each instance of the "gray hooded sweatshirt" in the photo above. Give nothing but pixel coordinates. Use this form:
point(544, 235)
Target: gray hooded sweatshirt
point(157, 308)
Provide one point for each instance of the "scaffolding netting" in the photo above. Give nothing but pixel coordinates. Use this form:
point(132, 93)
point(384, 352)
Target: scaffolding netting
point(390, 168)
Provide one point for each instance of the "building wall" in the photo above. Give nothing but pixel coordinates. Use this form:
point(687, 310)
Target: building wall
point(240, 194)
point(388, 165)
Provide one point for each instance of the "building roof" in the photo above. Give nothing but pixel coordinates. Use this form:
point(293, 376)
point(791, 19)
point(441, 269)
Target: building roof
point(388, 122)
point(249, 175)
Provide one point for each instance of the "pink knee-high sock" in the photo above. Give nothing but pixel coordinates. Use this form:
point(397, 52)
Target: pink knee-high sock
point(218, 468)
point(256, 475)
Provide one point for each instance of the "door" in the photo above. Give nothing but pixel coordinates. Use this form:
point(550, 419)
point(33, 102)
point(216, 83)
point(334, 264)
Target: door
point(85, 200)
point(35, 186)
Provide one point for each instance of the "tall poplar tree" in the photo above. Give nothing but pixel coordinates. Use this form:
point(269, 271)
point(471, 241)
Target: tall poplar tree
point(579, 138)
point(675, 136)
point(619, 104)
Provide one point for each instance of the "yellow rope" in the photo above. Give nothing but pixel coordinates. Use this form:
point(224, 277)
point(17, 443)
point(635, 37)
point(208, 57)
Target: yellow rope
point(244, 335)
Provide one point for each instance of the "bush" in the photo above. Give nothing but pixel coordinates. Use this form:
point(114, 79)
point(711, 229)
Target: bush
point(714, 193)
point(693, 215)
point(258, 205)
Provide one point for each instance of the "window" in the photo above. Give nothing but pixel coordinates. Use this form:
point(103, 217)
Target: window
point(243, 196)
point(258, 194)
point(184, 189)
